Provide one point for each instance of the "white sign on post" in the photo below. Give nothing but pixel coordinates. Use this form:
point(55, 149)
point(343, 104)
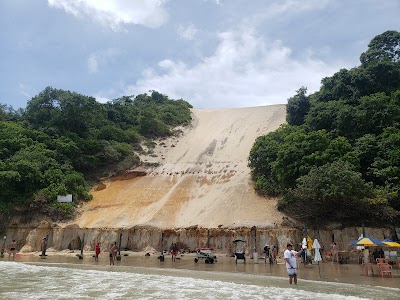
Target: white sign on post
point(67, 198)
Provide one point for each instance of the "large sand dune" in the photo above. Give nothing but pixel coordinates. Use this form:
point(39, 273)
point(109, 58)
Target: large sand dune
point(203, 178)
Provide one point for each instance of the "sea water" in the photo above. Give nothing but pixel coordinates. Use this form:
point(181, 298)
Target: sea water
point(37, 280)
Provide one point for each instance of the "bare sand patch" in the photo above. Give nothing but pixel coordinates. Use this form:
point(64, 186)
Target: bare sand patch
point(202, 178)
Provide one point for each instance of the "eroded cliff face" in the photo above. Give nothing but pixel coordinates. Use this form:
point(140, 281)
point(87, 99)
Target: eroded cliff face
point(138, 239)
point(202, 182)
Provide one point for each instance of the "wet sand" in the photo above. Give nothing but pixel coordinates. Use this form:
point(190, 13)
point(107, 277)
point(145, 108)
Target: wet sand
point(135, 261)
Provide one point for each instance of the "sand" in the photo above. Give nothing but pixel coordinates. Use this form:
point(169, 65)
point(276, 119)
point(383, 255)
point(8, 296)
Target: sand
point(202, 178)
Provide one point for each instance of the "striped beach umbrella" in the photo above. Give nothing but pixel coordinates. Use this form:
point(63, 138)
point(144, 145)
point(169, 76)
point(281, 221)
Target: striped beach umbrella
point(367, 242)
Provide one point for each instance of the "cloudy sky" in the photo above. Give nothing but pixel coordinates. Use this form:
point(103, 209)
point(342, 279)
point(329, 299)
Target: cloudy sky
point(212, 53)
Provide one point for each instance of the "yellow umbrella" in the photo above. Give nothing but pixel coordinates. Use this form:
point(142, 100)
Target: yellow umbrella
point(392, 244)
point(309, 243)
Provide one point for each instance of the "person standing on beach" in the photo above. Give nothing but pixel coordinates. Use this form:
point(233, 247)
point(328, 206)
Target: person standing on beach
point(43, 246)
point(115, 251)
point(12, 249)
point(97, 252)
point(174, 251)
point(335, 252)
point(112, 254)
point(274, 253)
point(291, 263)
point(321, 250)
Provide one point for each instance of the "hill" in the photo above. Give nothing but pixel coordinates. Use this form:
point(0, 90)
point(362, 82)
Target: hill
point(202, 178)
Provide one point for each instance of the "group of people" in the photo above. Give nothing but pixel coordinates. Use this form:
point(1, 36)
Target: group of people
point(112, 252)
point(378, 254)
point(289, 255)
point(270, 254)
point(11, 248)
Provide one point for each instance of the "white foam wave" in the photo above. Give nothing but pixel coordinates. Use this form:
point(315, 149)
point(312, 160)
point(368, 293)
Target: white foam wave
point(29, 281)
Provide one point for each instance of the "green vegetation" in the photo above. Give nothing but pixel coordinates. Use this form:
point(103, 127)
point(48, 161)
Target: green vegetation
point(63, 141)
point(337, 160)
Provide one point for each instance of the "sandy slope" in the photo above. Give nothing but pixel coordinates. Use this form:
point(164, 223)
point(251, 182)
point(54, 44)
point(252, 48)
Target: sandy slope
point(203, 178)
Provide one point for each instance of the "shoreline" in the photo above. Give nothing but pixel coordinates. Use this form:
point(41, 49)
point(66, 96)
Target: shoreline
point(137, 262)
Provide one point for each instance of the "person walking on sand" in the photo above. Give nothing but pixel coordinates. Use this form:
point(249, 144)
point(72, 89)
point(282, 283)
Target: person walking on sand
point(97, 252)
point(12, 249)
point(111, 251)
point(291, 263)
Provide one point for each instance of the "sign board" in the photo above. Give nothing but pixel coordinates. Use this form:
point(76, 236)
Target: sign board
point(67, 198)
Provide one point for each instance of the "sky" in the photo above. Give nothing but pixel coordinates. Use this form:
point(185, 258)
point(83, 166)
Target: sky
point(211, 53)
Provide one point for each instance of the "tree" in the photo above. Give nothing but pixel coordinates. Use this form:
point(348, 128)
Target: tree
point(383, 47)
point(329, 193)
point(297, 107)
point(353, 118)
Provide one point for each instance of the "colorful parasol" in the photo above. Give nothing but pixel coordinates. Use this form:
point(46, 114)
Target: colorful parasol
point(367, 242)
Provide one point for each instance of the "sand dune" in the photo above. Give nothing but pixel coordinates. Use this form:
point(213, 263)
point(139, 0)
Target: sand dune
point(202, 178)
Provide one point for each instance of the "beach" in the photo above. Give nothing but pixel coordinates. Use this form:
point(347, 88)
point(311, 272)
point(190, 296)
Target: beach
point(62, 275)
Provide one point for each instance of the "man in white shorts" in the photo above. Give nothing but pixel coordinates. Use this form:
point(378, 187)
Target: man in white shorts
point(291, 264)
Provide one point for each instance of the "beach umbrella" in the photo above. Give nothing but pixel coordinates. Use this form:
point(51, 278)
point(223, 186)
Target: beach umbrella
point(316, 245)
point(304, 243)
point(309, 243)
point(391, 244)
point(309, 247)
point(387, 240)
point(367, 241)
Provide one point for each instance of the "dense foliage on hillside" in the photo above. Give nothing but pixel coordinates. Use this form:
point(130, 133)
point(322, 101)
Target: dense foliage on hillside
point(62, 140)
point(338, 157)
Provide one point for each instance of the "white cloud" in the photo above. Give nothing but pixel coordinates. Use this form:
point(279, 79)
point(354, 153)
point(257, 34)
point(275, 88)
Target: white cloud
point(114, 14)
point(218, 2)
point(283, 10)
point(102, 57)
point(92, 63)
point(102, 99)
point(243, 71)
point(187, 32)
point(24, 90)
point(280, 7)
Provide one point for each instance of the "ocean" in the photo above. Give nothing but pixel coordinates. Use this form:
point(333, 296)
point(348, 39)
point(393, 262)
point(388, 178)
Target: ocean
point(68, 280)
